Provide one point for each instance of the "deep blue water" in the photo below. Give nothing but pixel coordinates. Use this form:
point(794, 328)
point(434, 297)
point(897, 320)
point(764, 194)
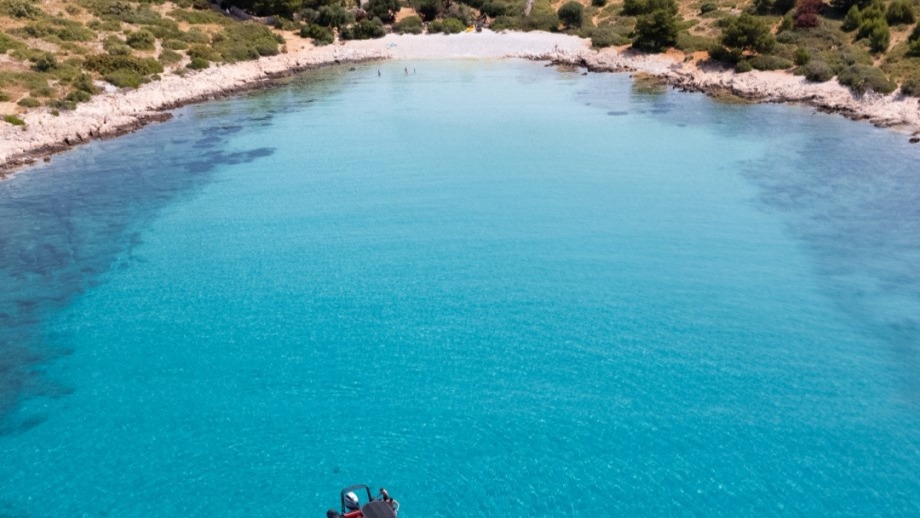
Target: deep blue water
point(490, 287)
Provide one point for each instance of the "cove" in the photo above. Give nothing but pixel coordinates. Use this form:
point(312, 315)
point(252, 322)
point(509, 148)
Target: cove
point(487, 286)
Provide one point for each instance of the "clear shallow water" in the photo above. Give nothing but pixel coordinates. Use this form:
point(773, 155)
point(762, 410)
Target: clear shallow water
point(487, 286)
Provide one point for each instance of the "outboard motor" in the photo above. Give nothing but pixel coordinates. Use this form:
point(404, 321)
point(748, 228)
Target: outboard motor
point(351, 501)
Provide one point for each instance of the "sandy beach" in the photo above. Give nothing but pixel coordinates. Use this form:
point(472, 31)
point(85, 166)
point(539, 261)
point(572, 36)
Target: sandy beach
point(117, 112)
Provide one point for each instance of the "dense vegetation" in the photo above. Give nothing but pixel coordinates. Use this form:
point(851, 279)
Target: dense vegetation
point(58, 51)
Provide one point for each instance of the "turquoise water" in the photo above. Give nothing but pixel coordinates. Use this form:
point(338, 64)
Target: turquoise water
point(490, 287)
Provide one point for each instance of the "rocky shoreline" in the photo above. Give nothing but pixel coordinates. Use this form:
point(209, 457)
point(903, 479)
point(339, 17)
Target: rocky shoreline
point(116, 113)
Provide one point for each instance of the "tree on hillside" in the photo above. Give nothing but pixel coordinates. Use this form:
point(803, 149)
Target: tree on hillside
point(571, 14)
point(656, 31)
point(639, 7)
point(747, 33)
point(384, 9)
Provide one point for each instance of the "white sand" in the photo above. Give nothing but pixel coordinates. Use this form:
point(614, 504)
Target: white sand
point(115, 112)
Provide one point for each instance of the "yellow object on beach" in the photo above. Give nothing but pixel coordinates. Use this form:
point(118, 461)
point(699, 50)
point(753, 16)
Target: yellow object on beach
point(469, 29)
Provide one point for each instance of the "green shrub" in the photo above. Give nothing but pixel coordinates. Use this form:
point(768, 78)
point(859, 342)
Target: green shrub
point(174, 45)
point(725, 55)
point(915, 34)
point(863, 78)
point(637, 7)
point(384, 9)
point(605, 37)
point(502, 23)
point(900, 11)
point(598, 3)
point(541, 20)
point(409, 25)
point(169, 57)
point(244, 41)
point(84, 82)
point(4, 97)
point(200, 17)
point(333, 16)
point(44, 62)
point(106, 63)
point(194, 35)
point(495, 9)
point(743, 66)
point(877, 32)
point(78, 96)
point(656, 32)
point(29, 102)
point(20, 9)
point(447, 26)
point(124, 78)
point(708, 7)
point(571, 14)
point(116, 46)
point(319, 34)
point(911, 87)
point(802, 56)
point(913, 49)
point(61, 104)
point(141, 40)
point(205, 52)
point(768, 62)
point(365, 30)
point(14, 120)
point(198, 64)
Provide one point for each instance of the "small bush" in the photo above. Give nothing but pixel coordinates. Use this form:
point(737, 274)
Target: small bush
point(204, 52)
point(244, 41)
point(141, 40)
point(364, 30)
point(409, 25)
point(61, 104)
point(911, 87)
point(333, 16)
point(44, 62)
point(105, 63)
point(199, 64)
point(4, 97)
point(116, 46)
point(876, 30)
point(818, 72)
point(78, 96)
point(124, 78)
point(863, 78)
point(598, 3)
point(913, 49)
point(709, 7)
point(571, 14)
point(454, 26)
point(14, 120)
point(29, 102)
point(900, 11)
point(801, 57)
point(319, 34)
point(494, 9)
point(743, 66)
point(601, 38)
point(174, 45)
point(20, 9)
point(384, 9)
point(169, 57)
